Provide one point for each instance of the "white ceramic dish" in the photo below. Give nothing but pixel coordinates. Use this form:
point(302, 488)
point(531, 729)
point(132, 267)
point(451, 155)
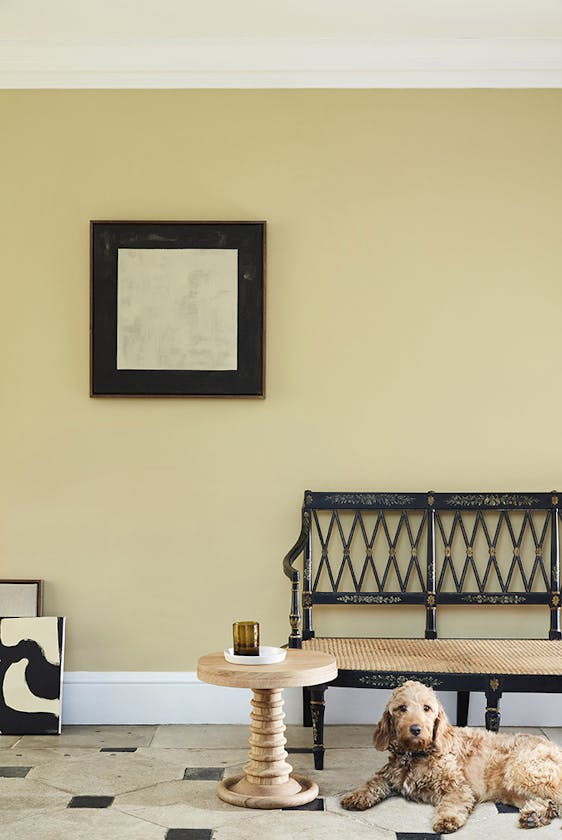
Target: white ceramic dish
point(267, 656)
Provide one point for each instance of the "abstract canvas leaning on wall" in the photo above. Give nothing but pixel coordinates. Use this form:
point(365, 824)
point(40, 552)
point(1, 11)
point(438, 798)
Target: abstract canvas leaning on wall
point(31, 668)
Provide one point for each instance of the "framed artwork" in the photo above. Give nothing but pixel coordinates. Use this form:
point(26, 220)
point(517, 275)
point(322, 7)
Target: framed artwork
point(31, 671)
point(21, 598)
point(177, 308)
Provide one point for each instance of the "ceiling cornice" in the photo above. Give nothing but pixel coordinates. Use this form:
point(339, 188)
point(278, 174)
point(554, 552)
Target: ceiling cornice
point(283, 63)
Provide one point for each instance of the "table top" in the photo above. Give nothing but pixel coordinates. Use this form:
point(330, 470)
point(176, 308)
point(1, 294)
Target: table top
point(300, 668)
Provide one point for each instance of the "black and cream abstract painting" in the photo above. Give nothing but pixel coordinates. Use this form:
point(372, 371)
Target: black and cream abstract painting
point(31, 669)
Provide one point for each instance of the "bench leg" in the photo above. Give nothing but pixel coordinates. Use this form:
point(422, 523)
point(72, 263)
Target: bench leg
point(493, 710)
point(463, 701)
point(317, 707)
point(306, 713)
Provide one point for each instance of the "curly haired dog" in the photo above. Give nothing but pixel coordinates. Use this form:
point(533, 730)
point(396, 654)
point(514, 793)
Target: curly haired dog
point(455, 768)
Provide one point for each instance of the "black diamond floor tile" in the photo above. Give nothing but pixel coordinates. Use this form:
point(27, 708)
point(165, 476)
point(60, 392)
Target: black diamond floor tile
point(506, 809)
point(413, 835)
point(14, 772)
point(316, 805)
point(118, 749)
point(90, 802)
point(204, 774)
point(189, 834)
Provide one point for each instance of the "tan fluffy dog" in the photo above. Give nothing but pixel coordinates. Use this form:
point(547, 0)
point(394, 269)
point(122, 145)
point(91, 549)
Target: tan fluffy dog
point(455, 768)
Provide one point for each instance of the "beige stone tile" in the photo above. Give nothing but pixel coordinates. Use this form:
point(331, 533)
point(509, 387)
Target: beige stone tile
point(344, 770)
point(503, 826)
point(107, 774)
point(345, 736)
point(8, 741)
point(298, 736)
point(196, 804)
point(553, 734)
point(396, 814)
point(33, 758)
point(180, 803)
point(80, 824)
point(18, 797)
point(203, 736)
point(528, 730)
point(211, 736)
point(93, 736)
point(400, 814)
point(301, 825)
point(196, 758)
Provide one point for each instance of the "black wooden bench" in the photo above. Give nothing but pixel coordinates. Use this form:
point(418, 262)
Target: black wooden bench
point(427, 550)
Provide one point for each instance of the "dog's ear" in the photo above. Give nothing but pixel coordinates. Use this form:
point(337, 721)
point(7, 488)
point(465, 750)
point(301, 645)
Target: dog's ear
point(383, 732)
point(441, 729)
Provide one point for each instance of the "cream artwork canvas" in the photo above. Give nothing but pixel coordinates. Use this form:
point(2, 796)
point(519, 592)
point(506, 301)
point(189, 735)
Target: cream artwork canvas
point(177, 309)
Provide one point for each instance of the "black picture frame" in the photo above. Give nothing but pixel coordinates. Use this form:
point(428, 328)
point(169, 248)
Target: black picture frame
point(119, 249)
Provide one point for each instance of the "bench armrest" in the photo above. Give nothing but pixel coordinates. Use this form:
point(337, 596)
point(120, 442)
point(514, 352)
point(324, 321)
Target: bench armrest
point(295, 615)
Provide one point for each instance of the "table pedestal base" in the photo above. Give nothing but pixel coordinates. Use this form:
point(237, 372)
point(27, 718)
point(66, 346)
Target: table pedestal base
point(238, 791)
point(268, 780)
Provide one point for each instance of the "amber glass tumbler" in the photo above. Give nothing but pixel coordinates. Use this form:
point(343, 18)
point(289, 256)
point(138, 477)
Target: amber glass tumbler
point(246, 636)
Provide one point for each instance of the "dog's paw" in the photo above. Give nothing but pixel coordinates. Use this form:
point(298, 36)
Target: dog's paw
point(529, 819)
point(446, 825)
point(358, 800)
point(533, 819)
point(537, 814)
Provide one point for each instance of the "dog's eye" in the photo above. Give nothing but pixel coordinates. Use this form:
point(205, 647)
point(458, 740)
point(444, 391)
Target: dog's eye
point(427, 708)
point(402, 708)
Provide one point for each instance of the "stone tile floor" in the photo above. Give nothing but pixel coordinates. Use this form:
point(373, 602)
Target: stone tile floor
point(159, 783)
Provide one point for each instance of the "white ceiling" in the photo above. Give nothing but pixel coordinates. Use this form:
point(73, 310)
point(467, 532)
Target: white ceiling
point(84, 19)
point(280, 43)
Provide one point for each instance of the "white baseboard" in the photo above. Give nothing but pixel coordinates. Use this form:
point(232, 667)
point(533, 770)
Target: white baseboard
point(159, 697)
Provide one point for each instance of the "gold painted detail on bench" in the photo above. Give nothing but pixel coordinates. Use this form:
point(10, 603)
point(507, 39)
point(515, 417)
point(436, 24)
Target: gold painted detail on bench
point(494, 684)
point(392, 681)
point(369, 499)
point(555, 600)
point(316, 710)
point(307, 599)
point(555, 500)
point(368, 599)
point(431, 600)
point(492, 500)
point(495, 599)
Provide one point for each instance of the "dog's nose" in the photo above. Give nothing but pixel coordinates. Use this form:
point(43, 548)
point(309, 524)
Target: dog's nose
point(415, 729)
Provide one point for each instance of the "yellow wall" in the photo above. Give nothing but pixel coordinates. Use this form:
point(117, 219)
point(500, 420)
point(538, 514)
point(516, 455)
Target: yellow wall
point(413, 307)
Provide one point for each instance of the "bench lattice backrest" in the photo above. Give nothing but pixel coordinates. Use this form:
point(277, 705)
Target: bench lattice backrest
point(426, 548)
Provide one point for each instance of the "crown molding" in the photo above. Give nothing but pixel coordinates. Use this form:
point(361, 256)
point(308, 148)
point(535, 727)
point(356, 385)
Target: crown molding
point(283, 63)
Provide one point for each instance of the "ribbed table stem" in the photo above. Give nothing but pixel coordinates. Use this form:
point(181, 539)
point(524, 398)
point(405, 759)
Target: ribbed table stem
point(267, 765)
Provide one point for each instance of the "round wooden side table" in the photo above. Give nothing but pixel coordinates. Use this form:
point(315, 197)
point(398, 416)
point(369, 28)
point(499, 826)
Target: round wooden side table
point(268, 780)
